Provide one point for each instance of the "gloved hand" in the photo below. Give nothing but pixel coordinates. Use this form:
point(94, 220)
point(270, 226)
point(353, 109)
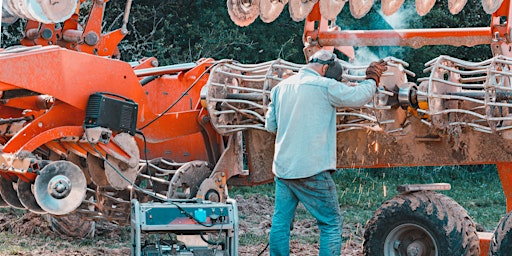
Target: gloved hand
point(375, 70)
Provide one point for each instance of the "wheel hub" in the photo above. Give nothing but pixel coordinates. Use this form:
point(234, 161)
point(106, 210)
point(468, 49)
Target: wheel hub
point(411, 240)
point(59, 187)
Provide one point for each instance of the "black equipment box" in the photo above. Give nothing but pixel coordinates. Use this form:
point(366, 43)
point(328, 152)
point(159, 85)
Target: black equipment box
point(113, 112)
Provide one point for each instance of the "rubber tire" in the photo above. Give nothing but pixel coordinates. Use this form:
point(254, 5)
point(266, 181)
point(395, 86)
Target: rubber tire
point(453, 232)
point(501, 243)
point(71, 225)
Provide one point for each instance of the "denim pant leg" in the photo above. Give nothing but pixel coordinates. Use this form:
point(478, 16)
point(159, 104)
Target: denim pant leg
point(284, 210)
point(318, 195)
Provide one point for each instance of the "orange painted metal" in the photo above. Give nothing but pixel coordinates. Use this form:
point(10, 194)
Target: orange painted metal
point(505, 172)
point(317, 30)
point(485, 242)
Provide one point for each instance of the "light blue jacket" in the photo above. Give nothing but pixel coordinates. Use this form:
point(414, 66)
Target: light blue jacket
point(302, 113)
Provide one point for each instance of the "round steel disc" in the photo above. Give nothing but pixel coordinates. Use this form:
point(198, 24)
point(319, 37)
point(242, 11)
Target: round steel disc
point(21, 7)
point(300, 9)
point(455, 6)
point(60, 187)
point(424, 6)
point(187, 179)
point(490, 6)
point(27, 197)
point(51, 11)
point(14, 7)
point(331, 8)
point(96, 170)
point(119, 174)
point(270, 9)
point(243, 12)
point(3, 203)
point(8, 192)
point(389, 7)
point(81, 163)
point(8, 15)
point(359, 8)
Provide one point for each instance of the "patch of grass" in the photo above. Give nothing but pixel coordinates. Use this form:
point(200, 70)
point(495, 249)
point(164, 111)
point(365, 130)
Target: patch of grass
point(252, 239)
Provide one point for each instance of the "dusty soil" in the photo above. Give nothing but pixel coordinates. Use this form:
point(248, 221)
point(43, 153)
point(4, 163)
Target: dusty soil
point(30, 234)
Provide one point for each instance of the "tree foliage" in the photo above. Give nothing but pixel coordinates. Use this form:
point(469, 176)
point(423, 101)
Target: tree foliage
point(184, 31)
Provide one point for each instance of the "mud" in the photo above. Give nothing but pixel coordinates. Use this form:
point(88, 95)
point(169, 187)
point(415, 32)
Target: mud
point(23, 230)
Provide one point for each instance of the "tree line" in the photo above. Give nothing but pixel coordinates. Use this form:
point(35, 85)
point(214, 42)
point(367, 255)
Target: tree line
point(184, 31)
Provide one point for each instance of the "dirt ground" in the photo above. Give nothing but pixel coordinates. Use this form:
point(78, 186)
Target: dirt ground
point(22, 230)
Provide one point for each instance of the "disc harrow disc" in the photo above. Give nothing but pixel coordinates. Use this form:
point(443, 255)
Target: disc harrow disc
point(8, 15)
point(389, 7)
point(96, 170)
point(243, 12)
point(3, 203)
point(27, 198)
point(300, 9)
point(187, 179)
point(20, 8)
point(122, 171)
point(331, 8)
point(359, 8)
point(8, 192)
point(490, 6)
point(455, 6)
point(424, 6)
point(60, 187)
point(270, 9)
point(119, 175)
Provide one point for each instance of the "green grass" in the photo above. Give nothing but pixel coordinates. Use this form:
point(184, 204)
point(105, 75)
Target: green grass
point(361, 191)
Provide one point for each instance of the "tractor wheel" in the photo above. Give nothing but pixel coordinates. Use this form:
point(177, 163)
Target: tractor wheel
point(421, 223)
point(72, 225)
point(501, 243)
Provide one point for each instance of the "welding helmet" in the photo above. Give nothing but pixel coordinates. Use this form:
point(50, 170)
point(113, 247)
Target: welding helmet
point(334, 68)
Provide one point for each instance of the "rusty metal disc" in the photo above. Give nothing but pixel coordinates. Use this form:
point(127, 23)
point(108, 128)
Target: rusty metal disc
point(455, 6)
point(50, 11)
point(3, 203)
point(389, 7)
point(270, 9)
point(187, 179)
point(490, 6)
point(119, 174)
point(331, 8)
point(359, 8)
point(96, 170)
point(8, 192)
point(21, 8)
point(300, 9)
point(243, 12)
point(8, 15)
point(14, 7)
point(122, 171)
point(424, 6)
point(81, 163)
point(27, 198)
point(60, 187)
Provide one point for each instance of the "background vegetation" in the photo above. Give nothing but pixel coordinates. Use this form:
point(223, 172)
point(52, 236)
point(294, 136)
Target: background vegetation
point(184, 31)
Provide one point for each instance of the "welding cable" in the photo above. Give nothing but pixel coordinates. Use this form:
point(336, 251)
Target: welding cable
point(184, 93)
point(262, 251)
point(136, 187)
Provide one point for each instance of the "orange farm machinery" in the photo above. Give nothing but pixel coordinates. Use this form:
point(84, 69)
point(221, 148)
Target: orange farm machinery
point(81, 144)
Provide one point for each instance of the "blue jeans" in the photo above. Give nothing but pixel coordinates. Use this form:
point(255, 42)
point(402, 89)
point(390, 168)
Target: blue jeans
point(318, 195)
